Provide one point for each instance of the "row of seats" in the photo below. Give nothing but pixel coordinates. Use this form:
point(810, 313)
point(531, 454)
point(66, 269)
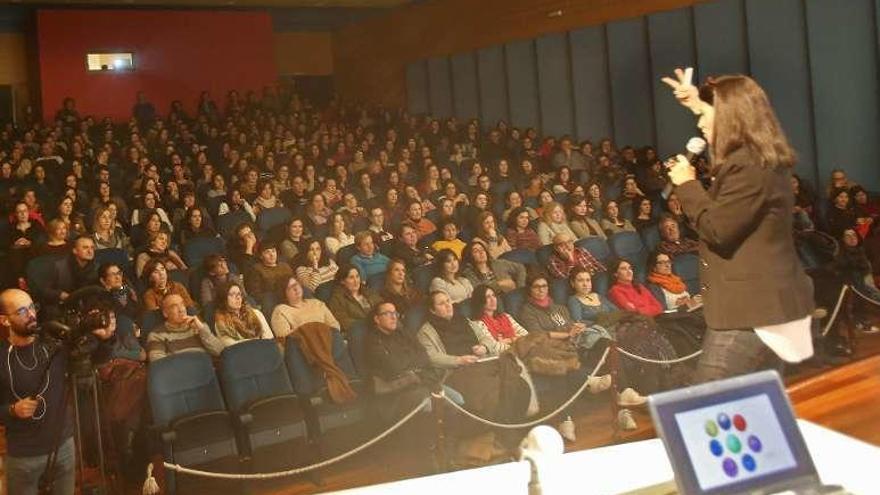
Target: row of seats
point(260, 411)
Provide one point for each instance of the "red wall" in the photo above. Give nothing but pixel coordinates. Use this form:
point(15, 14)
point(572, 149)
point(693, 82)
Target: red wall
point(177, 54)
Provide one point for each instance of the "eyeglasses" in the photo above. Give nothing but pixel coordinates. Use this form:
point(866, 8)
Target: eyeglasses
point(388, 313)
point(540, 286)
point(24, 311)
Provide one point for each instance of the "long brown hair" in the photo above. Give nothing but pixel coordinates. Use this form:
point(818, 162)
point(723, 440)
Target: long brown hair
point(744, 118)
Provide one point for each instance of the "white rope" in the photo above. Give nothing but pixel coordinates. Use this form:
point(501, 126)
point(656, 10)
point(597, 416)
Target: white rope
point(864, 296)
point(659, 361)
point(516, 426)
point(312, 467)
point(836, 310)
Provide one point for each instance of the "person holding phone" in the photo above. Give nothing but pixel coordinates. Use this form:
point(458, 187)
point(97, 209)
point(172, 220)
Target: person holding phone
point(757, 299)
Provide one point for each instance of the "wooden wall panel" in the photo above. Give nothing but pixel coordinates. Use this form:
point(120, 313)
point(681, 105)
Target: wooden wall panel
point(780, 63)
point(493, 85)
point(465, 92)
point(631, 82)
point(370, 56)
point(522, 83)
point(843, 55)
point(439, 87)
point(554, 85)
point(417, 85)
point(671, 40)
point(589, 76)
point(304, 54)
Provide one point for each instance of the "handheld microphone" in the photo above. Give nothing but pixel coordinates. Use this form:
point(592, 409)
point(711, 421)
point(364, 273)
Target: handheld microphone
point(541, 444)
point(694, 148)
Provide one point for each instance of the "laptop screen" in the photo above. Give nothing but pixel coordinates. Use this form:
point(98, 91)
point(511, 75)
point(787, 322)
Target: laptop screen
point(731, 436)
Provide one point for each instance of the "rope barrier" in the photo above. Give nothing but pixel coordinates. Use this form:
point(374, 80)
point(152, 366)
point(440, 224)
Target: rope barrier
point(659, 361)
point(836, 310)
point(516, 426)
point(864, 296)
point(290, 472)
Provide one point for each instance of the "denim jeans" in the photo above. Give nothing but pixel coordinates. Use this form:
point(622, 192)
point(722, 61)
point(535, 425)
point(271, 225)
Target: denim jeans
point(23, 473)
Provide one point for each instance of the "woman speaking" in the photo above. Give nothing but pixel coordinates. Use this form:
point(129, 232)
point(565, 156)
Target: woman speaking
point(758, 300)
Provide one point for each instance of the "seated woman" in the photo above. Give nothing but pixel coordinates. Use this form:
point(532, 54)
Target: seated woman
point(155, 278)
point(235, 202)
point(613, 223)
point(339, 234)
point(672, 288)
point(562, 184)
point(194, 226)
point(520, 234)
point(314, 267)
point(107, 235)
point(368, 260)
point(488, 234)
point(296, 311)
point(487, 321)
point(234, 320)
point(406, 247)
point(398, 288)
point(267, 197)
point(514, 200)
point(581, 222)
point(553, 222)
point(448, 280)
point(67, 213)
point(566, 257)
point(449, 339)
point(317, 211)
point(293, 242)
point(351, 301)
point(158, 248)
point(853, 266)
point(150, 204)
point(449, 238)
point(644, 215)
point(499, 274)
point(146, 230)
point(216, 274)
point(630, 295)
point(56, 239)
point(26, 234)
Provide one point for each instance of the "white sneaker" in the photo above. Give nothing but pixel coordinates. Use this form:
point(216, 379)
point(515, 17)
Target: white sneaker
point(625, 420)
point(630, 398)
point(598, 384)
point(566, 429)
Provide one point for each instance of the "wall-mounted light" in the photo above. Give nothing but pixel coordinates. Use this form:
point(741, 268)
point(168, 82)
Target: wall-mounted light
point(555, 13)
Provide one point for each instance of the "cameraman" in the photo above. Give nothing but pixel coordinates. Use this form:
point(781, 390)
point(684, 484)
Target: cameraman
point(32, 396)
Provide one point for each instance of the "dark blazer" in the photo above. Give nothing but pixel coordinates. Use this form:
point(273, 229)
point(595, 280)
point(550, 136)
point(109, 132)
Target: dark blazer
point(750, 273)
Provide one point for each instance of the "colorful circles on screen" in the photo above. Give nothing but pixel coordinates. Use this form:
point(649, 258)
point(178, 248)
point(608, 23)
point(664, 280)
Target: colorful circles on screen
point(735, 446)
point(755, 443)
point(711, 428)
point(733, 443)
point(724, 421)
point(730, 467)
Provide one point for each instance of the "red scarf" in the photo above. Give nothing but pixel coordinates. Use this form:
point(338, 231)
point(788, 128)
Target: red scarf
point(499, 326)
point(541, 303)
point(671, 282)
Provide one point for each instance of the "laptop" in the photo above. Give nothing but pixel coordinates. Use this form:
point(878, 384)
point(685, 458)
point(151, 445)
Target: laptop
point(735, 437)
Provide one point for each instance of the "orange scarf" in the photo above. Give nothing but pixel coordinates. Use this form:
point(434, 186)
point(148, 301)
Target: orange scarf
point(673, 283)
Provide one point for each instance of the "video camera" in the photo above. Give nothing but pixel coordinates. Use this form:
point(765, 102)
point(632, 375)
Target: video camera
point(86, 310)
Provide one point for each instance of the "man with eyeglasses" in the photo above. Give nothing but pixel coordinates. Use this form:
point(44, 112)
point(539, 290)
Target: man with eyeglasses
point(32, 388)
point(396, 360)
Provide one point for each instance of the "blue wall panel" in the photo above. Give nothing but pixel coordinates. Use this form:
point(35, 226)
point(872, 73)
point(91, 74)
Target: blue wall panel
point(631, 83)
point(779, 62)
point(589, 76)
point(843, 62)
point(721, 38)
point(554, 82)
point(672, 45)
point(466, 93)
point(522, 83)
point(439, 87)
point(417, 87)
point(493, 85)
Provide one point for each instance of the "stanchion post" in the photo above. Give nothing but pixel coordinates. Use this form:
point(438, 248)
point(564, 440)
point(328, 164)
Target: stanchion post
point(613, 366)
point(438, 407)
point(849, 309)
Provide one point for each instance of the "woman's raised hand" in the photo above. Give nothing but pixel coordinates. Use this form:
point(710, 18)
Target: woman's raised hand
point(684, 91)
